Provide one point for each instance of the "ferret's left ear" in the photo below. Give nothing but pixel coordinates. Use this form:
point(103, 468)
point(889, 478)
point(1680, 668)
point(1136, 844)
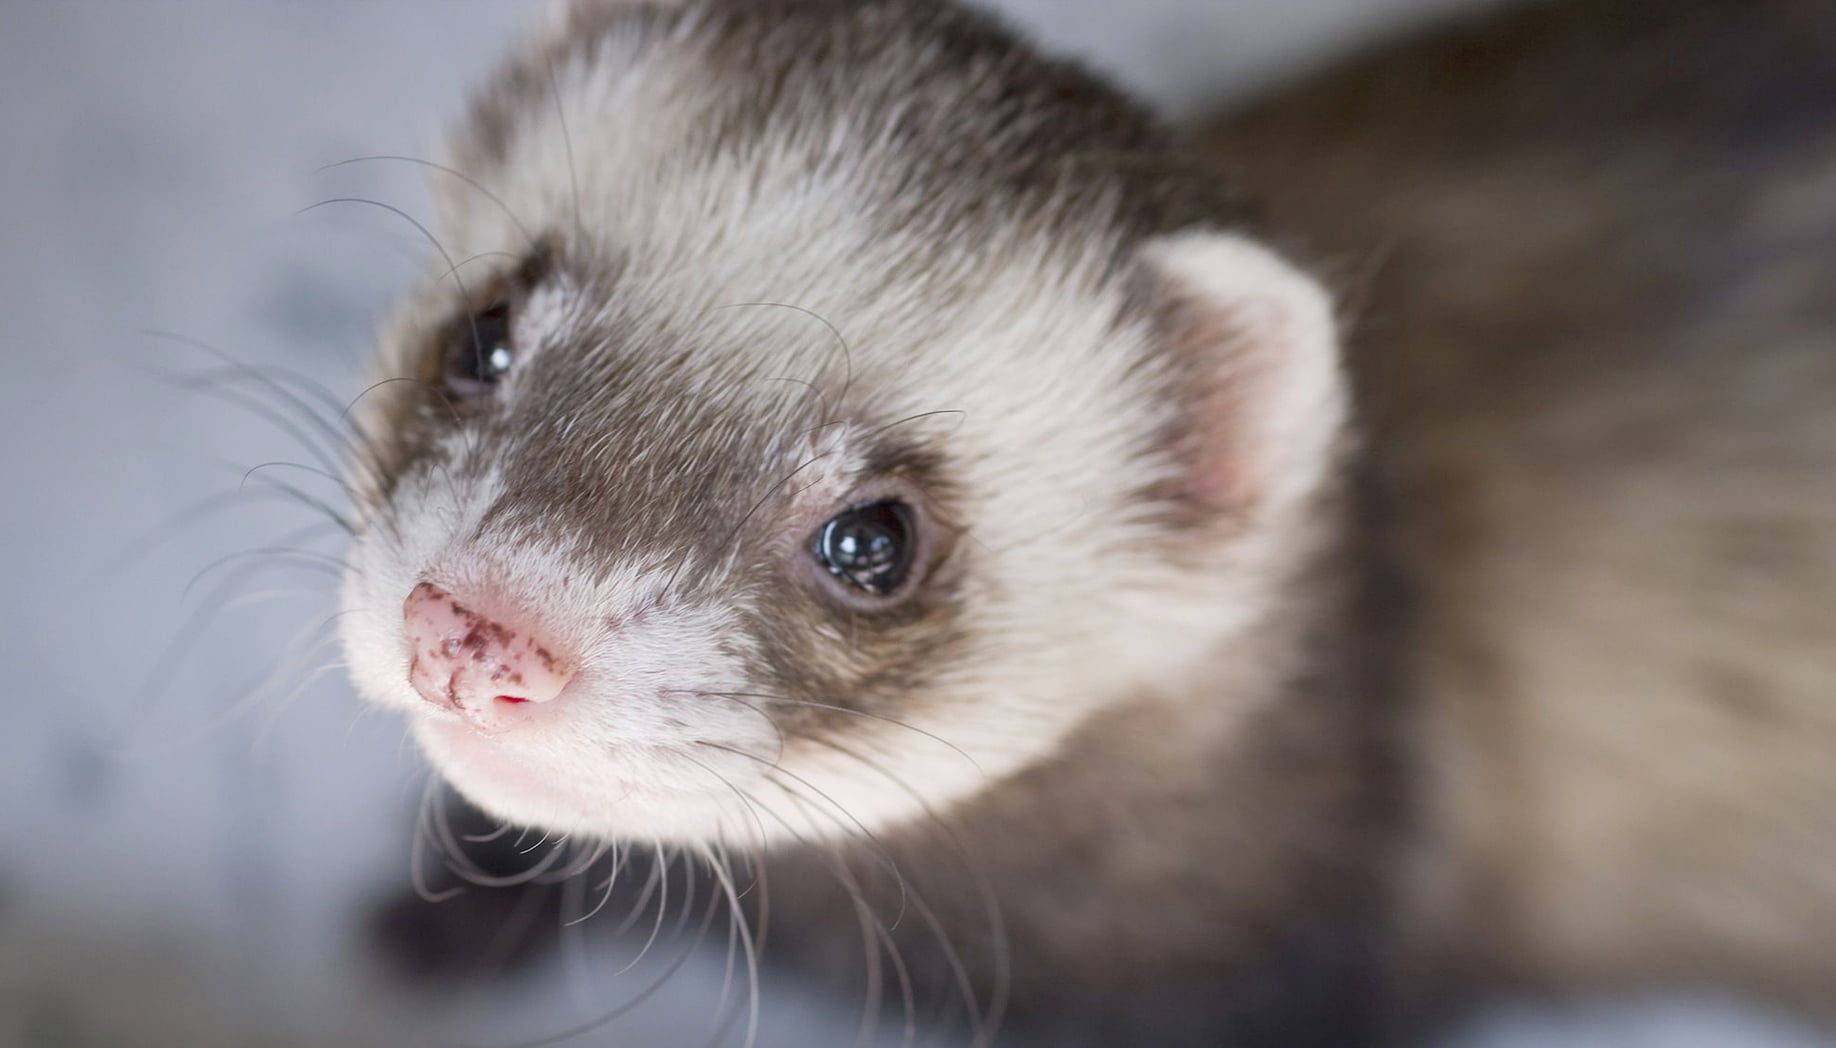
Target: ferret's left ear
point(1260, 396)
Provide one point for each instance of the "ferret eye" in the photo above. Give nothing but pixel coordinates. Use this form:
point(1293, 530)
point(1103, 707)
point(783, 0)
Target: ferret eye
point(483, 352)
point(870, 547)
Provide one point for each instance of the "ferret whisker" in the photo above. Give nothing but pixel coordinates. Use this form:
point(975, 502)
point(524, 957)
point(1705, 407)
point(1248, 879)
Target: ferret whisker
point(814, 391)
point(522, 228)
point(156, 535)
point(451, 410)
point(174, 525)
point(301, 466)
point(324, 508)
point(840, 341)
point(874, 932)
point(290, 668)
point(778, 700)
point(470, 871)
point(479, 257)
point(255, 406)
point(774, 769)
point(186, 638)
point(574, 867)
point(877, 937)
point(572, 937)
point(777, 730)
point(961, 417)
point(258, 474)
point(740, 931)
point(660, 872)
point(452, 269)
point(284, 488)
point(266, 376)
point(422, 839)
point(745, 802)
point(567, 140)
point(486, 838)
point(348, 446)
point(332, 438)
point(606, 892)
point(644, 894)
point(724, 1011)
point(635, 1002)
point(459, 862)
point(299, 558)
point(756, 506)
point(590, 851)
point(984, 1019)
point(392, 380)
point(281, 703)
point(284, 544)
point(426, 233)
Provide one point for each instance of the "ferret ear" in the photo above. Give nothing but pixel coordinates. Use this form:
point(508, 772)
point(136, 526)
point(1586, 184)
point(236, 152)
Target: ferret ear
point(1262, 400)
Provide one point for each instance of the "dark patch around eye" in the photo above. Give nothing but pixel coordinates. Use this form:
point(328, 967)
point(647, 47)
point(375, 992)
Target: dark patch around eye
point(485, 350)
point(871, 547)
point(481, 349)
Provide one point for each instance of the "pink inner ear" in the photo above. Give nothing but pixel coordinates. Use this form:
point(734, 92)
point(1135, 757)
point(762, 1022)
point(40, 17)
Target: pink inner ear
point(1222, 348)
point(1262, 401)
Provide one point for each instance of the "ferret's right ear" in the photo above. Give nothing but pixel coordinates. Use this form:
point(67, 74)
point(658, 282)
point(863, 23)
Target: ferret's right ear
point(1260, 395)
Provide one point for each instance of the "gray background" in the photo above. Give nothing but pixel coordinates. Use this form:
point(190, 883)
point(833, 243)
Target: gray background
point(188, 831)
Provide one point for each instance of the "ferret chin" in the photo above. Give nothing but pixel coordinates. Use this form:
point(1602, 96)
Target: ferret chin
point(854, 442)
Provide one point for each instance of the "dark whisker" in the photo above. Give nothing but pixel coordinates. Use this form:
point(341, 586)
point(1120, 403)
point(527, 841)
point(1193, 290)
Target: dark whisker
point(961, 415)
point(567, 140)
point(455, 173)
point(301, 466)
point(886, 858)
point(253, 405)
point(306, 558)
point(875, 933)
point(984, 1020)
point(380, 383)
point(269, 376)
point(756, 506)
point(847, 353)
point(452, 267)
point(179, 648)
point(629, 1006)
point(780, 701)
point(164, 531)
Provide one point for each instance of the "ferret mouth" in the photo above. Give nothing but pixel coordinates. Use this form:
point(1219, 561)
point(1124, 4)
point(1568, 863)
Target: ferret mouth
point(591, 788)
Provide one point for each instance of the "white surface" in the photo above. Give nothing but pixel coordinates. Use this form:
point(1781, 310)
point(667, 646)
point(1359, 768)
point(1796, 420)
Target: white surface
point(184, 856)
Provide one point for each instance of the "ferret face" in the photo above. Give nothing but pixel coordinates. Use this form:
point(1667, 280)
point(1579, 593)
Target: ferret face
point(795, 438)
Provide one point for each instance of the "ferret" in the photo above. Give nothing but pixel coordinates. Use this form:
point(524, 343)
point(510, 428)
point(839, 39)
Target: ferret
point(1108, 602)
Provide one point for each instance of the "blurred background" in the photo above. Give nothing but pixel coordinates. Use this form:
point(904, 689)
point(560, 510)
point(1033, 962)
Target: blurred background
point(198, 821)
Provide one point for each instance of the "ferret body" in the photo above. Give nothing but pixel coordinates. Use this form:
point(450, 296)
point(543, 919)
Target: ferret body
point(1597, 363)
point(845, 444)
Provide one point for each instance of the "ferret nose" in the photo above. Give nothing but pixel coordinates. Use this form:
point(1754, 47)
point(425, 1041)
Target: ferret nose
point(464, 661)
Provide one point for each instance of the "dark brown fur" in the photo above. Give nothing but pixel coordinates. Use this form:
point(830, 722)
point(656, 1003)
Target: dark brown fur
point(1593, 247)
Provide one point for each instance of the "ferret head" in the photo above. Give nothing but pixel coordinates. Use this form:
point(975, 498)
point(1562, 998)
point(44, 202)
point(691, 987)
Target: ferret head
point(820, 411)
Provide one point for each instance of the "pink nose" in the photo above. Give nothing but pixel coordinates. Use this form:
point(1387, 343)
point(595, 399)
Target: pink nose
point(460, 660)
